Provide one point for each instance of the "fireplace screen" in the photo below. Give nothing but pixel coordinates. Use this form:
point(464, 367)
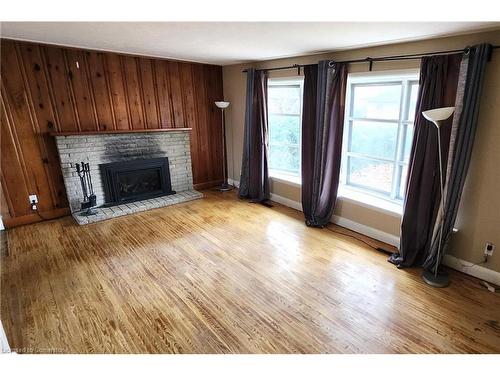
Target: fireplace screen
point(132, 184)
point(135, 180)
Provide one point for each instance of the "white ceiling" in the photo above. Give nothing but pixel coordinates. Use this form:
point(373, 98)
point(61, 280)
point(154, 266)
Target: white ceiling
point(225, 43)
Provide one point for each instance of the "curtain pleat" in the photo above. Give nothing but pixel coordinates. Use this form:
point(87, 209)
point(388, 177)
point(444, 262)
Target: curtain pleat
point(437, 88)
point(254, 180)
point(463, 132)
point(308, 136)
point(322, 133)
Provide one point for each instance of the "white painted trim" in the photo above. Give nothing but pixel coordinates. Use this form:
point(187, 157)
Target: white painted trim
point(349, 194)
point(341, 197)
point(286, 202)
point(4, 344)
point(382, 75)
point(343, 222)
point(292, 79)
point(283, 180)
point(366, 230)
point(471, 269)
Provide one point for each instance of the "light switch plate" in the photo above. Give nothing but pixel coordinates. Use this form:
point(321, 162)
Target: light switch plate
point(33, 198)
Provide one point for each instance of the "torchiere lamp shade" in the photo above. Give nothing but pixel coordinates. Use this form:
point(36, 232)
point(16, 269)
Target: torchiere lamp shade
point(222, 105)
point(439, 114)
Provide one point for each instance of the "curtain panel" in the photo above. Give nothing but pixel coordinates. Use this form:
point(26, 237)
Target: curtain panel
point(437, 88)
point(254, 180)
point(463, 132)
point(322, 132)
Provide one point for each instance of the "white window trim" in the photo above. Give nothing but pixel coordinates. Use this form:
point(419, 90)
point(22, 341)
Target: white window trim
point(347, 193)
point(279, 175)
point(285, 179)
point(365, 196)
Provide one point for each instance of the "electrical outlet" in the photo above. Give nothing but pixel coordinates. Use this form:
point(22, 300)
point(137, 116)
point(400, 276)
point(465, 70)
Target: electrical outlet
point(488, 249)
point(33, 201)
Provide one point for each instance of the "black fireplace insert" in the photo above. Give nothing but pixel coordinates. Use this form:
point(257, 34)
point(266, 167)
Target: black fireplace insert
point(134, 180)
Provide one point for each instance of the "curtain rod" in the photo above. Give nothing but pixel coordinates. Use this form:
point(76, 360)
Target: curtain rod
point(373, 59)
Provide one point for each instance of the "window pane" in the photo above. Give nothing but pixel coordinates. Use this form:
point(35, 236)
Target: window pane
point(374, 138)
point(284, 129)
point(407, 142)
point(284, 158)
point(370, 173)
point(413, 102)
point(377, 101)
point(402, 186)
point(284, 99)
point(284, 109)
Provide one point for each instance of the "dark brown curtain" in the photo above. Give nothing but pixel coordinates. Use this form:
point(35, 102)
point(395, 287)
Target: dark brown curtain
point(254, 180)
point(463, 132)
point(438, 87)
point(322, 131)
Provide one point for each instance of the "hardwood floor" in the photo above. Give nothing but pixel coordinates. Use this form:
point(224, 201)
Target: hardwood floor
point(219, 275)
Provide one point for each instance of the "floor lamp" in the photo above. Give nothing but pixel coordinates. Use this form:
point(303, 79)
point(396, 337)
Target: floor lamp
point(225, 186)
point(437, 116)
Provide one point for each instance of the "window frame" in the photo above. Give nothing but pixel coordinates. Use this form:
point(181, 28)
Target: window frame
point(284, 82)
point(406, 78)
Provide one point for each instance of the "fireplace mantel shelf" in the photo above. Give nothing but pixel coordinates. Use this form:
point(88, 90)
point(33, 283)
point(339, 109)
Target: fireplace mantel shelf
point(97, 132)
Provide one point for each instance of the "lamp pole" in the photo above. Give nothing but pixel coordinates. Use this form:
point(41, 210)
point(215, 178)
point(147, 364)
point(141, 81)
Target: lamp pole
point(225, 186)
point(437, 116)
point(442, 199)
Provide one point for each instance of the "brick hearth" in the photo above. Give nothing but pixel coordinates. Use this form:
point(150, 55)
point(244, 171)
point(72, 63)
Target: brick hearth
point(98, 149)
point(104, 213)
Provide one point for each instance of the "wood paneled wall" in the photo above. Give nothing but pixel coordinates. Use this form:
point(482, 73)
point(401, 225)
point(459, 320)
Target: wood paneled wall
point(46, 88)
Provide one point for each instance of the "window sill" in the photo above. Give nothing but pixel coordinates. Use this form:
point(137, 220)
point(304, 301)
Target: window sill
point(285, 178)
point(370, 201)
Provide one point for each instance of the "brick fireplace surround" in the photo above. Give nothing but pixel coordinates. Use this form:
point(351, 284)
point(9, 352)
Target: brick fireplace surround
point(100, 148)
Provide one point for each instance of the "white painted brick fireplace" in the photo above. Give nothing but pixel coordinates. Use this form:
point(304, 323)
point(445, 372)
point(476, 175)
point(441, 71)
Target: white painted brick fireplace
point(97, 149)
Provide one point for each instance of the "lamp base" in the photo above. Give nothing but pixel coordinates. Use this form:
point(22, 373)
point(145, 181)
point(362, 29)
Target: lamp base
point(225, 187)
point(442, 280)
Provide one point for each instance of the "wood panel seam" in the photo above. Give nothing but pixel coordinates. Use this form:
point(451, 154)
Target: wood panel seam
point(36, 129)
point(138, 70)
point(125, 91)
point(17, 145)
point(69, 83)
point(88, 74)
point(108, 86)
point(157, 98)
point(52, 98)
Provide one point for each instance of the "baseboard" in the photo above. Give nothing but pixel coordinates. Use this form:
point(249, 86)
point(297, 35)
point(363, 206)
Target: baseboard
point(35, 218)
point(286, 202)
point(207, 184)
point(346, 223)
point(472, 269)
point(366, 230)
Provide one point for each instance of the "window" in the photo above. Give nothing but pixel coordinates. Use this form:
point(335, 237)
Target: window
point(378, 132)
point(285, 117)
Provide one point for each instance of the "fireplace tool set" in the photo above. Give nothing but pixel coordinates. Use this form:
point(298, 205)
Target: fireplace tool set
point(89, 198)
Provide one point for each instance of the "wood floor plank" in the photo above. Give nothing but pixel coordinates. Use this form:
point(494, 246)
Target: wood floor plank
point(220, 275)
